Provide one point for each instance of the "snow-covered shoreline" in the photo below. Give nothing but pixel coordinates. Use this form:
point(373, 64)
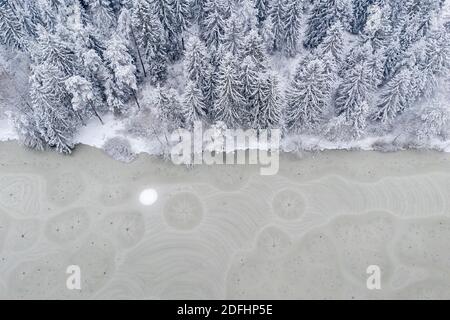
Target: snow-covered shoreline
point(95, 135)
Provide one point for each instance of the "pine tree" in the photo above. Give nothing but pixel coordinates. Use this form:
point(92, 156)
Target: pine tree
point(395, 97)
point(249, 77)
point(51, 107)
point(233, 37)
point(253, 47)
point(230, 102)
point(148, 34)
point(308, 96)
point(277, 13)
point(213, 26)
point(271, 112)
point(333, 42)
point(194, 108)
point(353, 96)
point(262, 7)
point(256, 102)
point(378, 28)
point(83, 96)
point(292, 26)
point(102, 14)
point(180, 15)
point(55, 51)
point(323, 15)
point(360, 14)
point(11, 29)
point(169, 109)
point(124, 82)
point(198, 69)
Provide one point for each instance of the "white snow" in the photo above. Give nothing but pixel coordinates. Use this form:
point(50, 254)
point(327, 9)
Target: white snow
point(7, 131)
point(95, 134)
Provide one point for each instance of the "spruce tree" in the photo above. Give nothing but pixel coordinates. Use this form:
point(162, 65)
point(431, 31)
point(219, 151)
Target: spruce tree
point(353, 97)
point(308, 96)
point(395, 97)
point(193, 104)
point(230, 102)
point(323, 15)
point(277, 13)
point(292, 21)
point(272, 108)
point(11, 29)
point(148, 35)
point(213, 26)
point(333, 42)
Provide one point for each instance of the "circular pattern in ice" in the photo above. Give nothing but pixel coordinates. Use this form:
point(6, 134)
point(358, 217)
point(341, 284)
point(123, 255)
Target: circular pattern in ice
point(288, 204)
point(183, 211)
point(68, 225)
point(19, 194)
point(65, 188)
point(273, 242)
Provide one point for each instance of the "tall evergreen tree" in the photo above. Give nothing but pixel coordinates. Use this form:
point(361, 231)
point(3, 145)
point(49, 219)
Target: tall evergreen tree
point(323, 15)
point(230, 102)
point(292, 20)
point(148, 35)
point(52, 49)
point(395, 97)
point(193, 104)
point(213, 25)
point(262, 7)
point(308, 96)
point(54, 117)
point(12, 33)
point(360, 14)
point(124, 82)
point(272, 108)
point(277, 13)
point(253, 47)
point(353, 97)
point(333, 42)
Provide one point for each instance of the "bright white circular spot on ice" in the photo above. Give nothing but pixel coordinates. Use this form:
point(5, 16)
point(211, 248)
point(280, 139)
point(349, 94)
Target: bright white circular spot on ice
point(148, 197)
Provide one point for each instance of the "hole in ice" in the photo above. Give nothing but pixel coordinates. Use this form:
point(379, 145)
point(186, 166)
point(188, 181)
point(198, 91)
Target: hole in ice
point(148, 197)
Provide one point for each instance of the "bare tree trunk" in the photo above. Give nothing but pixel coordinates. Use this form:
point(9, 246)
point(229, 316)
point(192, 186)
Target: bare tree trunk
point(135, 99)
point(138, 52)
point(79, 117)
point(96, 113)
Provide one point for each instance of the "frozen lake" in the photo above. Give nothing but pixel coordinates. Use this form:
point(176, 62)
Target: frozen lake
point(210, 232)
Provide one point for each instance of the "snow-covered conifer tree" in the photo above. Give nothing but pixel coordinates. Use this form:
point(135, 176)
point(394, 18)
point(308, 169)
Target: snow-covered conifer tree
point(308, 96)
point(230, 102)
point(253, 47)
point(148, 34)
point(323, 15)
point(272, 108)
point(277, 11)
point(262, 7)
point(360, 14)
point(333, 42)
point(233, 37)
point(12, 33)
point(52, 49)
point(193, 104)
point(53, 114)
point(124, 82)
point(353, 97)
point(395, 96)
point(292, 20)
point(169, 109)
point(213, 26)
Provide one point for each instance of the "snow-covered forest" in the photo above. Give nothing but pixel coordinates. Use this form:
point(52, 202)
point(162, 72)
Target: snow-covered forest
point(337, 70)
